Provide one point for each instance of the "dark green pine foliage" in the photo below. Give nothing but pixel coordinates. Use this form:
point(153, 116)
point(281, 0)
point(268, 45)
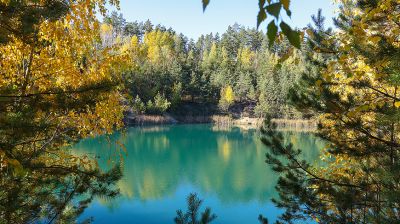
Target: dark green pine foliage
point(133, 29)
point(191, 216)
point(40, 191)
point(57, 194)
point(299, 201)
point(373, 197)
point(118, 22)
point(296, 196)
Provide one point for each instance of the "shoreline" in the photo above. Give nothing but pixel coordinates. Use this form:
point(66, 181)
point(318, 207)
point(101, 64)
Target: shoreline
point(222, 121)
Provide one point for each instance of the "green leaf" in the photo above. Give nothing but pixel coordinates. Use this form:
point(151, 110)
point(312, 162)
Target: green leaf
point(289, 13)
point(261, 17)
point(205, 3)
point(293, 36)
point(272, 31)
point(274, 9)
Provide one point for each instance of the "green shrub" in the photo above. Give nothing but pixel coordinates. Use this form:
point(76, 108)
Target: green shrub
point(138, 106)
point(158, 106)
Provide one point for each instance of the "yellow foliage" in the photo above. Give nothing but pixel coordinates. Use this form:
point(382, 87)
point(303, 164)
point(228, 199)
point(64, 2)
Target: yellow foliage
point(228, 95)
point(54, 76)
point(227, 98)
point(246, 57)
point(106, 28)
point(157, 45)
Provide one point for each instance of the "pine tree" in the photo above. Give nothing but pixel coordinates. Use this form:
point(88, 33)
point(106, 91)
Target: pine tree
point(354, 88)
point(191, 215)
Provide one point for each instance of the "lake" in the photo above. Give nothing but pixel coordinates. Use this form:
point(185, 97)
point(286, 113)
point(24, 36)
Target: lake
point(164, 164)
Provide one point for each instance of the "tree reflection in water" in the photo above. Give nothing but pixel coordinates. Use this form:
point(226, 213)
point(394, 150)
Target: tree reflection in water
point(226, 163)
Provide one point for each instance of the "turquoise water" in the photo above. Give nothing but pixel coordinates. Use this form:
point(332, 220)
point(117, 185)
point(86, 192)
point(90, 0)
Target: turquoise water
point(162, 165)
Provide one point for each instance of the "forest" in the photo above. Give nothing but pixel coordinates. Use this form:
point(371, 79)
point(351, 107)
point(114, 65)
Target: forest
point(235, 72)
point(66, 77)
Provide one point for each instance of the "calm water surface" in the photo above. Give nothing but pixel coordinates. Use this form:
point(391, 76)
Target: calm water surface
point(162, 165)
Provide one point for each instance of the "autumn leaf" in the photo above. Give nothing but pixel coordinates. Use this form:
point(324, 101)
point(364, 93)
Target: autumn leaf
point(285, 4)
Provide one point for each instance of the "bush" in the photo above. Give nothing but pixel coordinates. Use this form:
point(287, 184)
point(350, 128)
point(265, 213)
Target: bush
point(138, 106)
point(158, 106)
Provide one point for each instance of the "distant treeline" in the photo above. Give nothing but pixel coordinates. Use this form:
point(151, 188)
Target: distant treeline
point(234, 72)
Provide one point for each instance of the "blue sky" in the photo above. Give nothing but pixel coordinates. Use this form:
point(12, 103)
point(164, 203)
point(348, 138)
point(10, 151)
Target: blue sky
point(187, 17)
